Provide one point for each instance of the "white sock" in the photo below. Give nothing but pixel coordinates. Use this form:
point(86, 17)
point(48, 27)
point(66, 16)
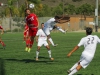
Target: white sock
point(37, 54)
point(50, 39)
point(74, 67)
point(60, 29)
point(73, 72)
point(49, 52)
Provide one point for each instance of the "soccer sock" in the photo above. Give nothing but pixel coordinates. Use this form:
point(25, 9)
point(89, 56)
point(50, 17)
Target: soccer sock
point(49, 51)
point(73, 72)
point(31, 43)
point(37, 54)
point(74, 67)
point(60, 29)
point(27, 42)
point(50, 39)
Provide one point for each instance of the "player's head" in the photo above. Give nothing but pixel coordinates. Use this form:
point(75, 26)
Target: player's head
point(57, 18)
point(88, 30)
point(27, 11)
point(42, 25)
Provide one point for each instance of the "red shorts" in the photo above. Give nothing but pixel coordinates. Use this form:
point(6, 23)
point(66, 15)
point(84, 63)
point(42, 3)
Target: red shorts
point(33, 31)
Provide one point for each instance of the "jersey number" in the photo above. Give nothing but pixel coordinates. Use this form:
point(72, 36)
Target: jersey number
point(90, 41)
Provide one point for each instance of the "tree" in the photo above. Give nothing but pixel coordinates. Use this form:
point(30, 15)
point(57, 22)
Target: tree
point(84, 9)
point(70, 9)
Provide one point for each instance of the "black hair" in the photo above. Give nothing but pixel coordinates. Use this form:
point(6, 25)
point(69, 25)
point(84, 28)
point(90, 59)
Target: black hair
point(57, 17)
point(88, 30)
point(27, 9)
point(42, 23)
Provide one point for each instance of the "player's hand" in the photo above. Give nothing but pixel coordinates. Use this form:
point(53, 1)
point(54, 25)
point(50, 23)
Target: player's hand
point(69, 54)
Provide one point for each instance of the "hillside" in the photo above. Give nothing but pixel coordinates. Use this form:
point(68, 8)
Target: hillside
point(53, 3)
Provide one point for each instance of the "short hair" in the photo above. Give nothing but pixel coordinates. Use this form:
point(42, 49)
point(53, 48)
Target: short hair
point(42, 23)
point(88, 30)
point(27, 9)
point(57, 17)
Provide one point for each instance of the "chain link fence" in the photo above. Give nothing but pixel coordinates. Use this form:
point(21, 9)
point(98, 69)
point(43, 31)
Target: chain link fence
point(16, 24)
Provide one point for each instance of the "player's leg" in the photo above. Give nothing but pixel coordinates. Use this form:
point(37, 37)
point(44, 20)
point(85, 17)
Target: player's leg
point(75, 65)
point(24, 36)
point(84, 62)
point(47, 32)
point(49, 51)
point(37, 52)
point(38, 49)
point(75, 70)
point(33, 34)
point(58, 28)
point(27, 43)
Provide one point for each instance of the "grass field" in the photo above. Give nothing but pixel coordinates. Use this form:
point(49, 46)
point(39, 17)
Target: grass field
point(15, 61)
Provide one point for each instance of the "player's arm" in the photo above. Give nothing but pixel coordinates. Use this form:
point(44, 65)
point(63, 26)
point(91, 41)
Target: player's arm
point(64, 21)
point(38, 22)
point(73, 50)
point(36, 39)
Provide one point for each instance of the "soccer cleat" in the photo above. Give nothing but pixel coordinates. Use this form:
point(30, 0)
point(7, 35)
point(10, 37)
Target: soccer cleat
point(55, 45)
point(52, 59)
point(37, 59)
point(69, 71)
point(26, 49)
point(29, 50)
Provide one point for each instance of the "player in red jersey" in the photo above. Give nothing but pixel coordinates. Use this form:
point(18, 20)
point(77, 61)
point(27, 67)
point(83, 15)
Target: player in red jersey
point(1, 42)
point(33, 23)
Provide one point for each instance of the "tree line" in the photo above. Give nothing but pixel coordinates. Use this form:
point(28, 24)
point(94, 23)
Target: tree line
point(42, 10)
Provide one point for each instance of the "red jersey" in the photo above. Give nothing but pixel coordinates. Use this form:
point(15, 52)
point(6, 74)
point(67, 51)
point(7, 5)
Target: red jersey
point(31, 20)
point(1, 27)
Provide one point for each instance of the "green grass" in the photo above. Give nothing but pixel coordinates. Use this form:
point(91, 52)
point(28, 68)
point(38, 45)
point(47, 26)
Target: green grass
point(15, 61)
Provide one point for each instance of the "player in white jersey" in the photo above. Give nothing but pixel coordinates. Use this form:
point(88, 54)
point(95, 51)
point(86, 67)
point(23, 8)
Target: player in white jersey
point(50, 25)
point(90, 44)
point(41, 39)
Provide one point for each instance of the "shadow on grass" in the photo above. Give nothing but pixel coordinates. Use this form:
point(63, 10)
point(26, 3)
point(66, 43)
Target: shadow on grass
point(1, 48)
point(2, 69)
point(41, 60)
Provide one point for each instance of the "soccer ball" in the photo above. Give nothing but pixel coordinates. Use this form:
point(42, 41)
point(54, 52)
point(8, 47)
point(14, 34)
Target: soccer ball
point(31, 5)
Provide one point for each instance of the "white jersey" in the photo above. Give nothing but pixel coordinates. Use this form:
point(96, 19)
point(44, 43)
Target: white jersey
point(90, 43)
point(50, 23)
point(42, 35)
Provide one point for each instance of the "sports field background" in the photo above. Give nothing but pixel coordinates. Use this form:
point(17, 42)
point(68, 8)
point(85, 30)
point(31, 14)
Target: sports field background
point(15, 61)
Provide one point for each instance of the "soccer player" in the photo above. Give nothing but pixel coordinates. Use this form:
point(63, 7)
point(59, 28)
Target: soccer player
point(41, 39)
point(50, 25)
point(90, 44)
point(33, 23)
point(1, 42)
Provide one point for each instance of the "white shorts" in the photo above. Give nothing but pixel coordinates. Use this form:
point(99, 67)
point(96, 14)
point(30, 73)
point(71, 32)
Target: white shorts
point(46, 30)
point(40, 43)
point(85, 60)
